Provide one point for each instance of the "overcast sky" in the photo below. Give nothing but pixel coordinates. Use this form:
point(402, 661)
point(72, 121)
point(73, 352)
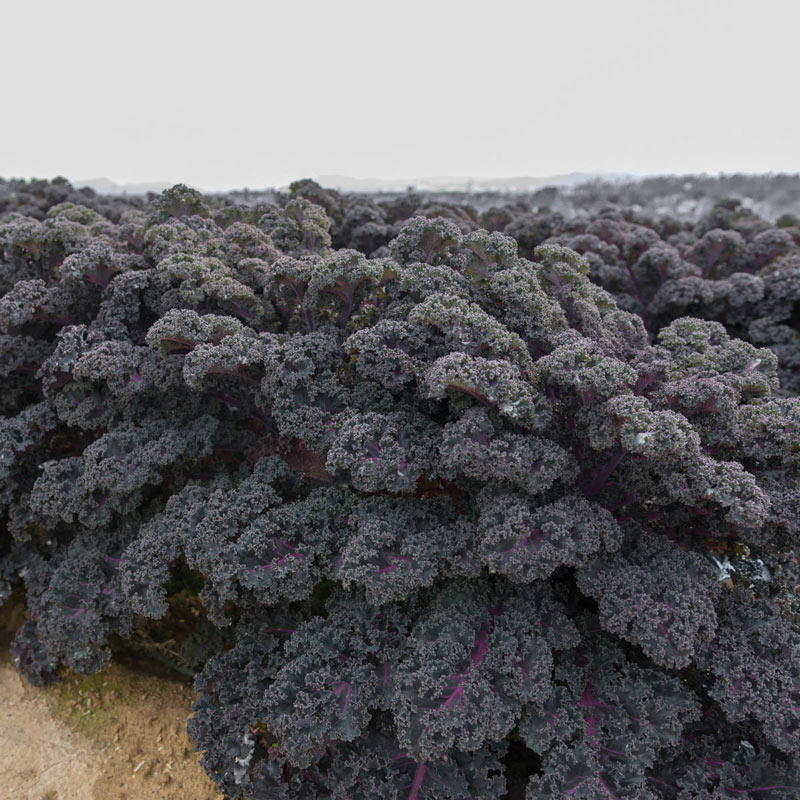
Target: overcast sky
point(229, 96)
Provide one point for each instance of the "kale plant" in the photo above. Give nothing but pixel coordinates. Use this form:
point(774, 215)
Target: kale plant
point(463, 504)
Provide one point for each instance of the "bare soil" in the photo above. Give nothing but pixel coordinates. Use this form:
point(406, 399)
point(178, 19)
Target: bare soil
point(116, 735)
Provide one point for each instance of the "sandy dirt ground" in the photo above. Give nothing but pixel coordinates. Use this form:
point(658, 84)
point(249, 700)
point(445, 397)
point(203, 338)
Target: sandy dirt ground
point(116, 735)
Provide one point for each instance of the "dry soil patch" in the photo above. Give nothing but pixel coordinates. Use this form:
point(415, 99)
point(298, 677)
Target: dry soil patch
point(116, 735)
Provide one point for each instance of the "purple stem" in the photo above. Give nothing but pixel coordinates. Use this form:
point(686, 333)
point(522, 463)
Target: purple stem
point(416, 784)
point(601, 477)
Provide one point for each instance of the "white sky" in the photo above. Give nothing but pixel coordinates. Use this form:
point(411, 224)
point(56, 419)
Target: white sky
point(257, 94)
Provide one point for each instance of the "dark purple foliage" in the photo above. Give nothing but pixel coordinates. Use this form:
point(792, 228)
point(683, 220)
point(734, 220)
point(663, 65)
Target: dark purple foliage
point(448, 497)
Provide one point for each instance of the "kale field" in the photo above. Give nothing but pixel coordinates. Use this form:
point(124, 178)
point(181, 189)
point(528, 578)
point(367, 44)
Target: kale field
point(432, 496)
